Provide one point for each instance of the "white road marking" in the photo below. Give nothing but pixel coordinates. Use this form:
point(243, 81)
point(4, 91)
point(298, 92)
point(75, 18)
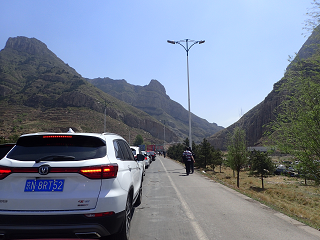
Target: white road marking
point(196, 227)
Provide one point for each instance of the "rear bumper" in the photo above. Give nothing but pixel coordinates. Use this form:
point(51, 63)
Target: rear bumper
point(58, 226)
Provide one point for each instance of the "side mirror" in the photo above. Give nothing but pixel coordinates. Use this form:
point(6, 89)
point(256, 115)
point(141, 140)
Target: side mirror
point(140, 157)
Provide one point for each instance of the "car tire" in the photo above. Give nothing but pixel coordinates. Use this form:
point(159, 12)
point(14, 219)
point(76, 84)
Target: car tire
point(139, 199)
point(124, 232)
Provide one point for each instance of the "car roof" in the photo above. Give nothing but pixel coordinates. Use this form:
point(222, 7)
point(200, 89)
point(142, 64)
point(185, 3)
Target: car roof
point(135, 147)
point(99, 135)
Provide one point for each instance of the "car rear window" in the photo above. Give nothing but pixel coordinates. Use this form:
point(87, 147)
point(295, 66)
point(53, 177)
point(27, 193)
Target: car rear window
point(32, 148)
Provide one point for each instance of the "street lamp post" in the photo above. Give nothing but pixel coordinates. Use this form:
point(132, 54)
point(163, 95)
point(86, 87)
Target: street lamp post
point(129, 138)
point(164, 133)
point(187, 48)
point(105, 117)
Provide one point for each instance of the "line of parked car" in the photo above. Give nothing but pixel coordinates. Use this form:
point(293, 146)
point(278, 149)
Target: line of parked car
point(70, 185)
point(149, 156)
point(282, 169)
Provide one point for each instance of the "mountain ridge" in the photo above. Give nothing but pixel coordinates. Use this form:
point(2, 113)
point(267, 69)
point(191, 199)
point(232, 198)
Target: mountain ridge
point(33, 78)
point(152, 99)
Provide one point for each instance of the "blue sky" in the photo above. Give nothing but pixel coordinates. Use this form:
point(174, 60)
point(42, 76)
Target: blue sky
point(246, 50)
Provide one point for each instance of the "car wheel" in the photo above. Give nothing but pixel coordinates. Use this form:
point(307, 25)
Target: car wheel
point(124, 232)
point(139, 199)
point(128, 217)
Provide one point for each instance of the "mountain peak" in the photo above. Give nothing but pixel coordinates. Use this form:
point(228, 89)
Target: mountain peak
point(29, 45)
point(155, 85)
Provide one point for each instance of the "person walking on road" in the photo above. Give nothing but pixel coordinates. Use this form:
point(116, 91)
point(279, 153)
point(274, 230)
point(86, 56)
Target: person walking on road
point(188, 159)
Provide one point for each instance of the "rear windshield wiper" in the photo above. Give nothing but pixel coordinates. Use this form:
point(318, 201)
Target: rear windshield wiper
point(55, 158)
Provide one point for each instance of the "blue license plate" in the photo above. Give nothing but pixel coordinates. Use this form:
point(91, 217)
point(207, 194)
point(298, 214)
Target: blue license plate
point(44, 185)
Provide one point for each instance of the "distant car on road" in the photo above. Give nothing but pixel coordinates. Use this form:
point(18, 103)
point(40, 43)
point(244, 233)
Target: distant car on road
point(147, 159)
point(69, 185)
point(152, 154)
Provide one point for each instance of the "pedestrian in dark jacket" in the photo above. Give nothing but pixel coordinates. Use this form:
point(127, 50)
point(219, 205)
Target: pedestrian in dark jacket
point(188, 159)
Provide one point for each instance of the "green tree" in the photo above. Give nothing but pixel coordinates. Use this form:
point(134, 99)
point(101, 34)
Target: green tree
point(314, 16)
point(237, 151)
point(217, 159)
point(296, 129)
point(302, 172)
point(261, 165)
point(138, 141)
point(186, 143)
point(175, 151)
point(204, 154)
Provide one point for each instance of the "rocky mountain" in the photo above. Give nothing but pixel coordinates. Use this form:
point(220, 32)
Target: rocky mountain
point(255, 120)
point(39, 92)
point(153, 100)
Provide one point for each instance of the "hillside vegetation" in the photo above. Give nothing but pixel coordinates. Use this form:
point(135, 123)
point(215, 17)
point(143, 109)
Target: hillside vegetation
point(39, 92)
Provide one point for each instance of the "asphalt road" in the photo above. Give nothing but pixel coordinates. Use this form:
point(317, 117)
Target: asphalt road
point(176, 206)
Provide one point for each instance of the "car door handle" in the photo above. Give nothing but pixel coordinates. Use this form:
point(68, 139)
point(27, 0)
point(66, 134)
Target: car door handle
point(129, 167)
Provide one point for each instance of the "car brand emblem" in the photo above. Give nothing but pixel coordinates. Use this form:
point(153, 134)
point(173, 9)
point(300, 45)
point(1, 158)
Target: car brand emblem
point(44, 169)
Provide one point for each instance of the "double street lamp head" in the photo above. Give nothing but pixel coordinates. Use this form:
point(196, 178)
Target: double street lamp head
point(187, 40)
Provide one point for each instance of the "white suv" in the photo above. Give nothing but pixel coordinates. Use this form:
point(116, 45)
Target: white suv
point(55, 185)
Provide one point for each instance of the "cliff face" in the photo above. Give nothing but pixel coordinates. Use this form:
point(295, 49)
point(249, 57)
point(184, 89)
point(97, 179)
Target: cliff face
point(254, 121)
point(33, 79)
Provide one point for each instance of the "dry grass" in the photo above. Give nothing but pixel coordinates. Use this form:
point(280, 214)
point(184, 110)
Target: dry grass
point(288, 195)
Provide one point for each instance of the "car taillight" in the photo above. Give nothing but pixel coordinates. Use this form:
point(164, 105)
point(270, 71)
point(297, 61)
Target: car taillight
point(94, 172)
point(4, 172)
point(100, 172)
